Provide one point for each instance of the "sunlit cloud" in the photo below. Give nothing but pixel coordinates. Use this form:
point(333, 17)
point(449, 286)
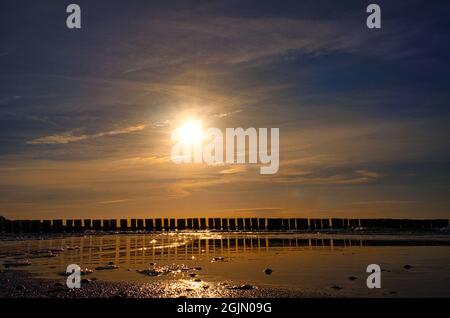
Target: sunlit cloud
point(69, 137)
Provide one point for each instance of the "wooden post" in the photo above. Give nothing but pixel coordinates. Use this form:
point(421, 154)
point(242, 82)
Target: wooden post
point(8, 227)
point(149, 225)
point(172, 225)
point(36, 226)
point(69, 226)
point(225, 224)
point(274, 224)
point(16, 226)
point(262, 224)
point(97, 225)
point(302, 224)
point(196, 224)
point(217, 224)
point(232, 224)
point(254, 225)
point(181, 224)
point(57, 226)
point(292, 225)
point(77, 226)
point(140, 224)
point(123, 225)
point(190, 224)
point(325, 224)
point(240, 224)
point(106, 225)
point(133, 225)
point(2, 224)
point(113, 225)
point(202, 224)
point(166, 224)
point(87, 224)
point(158, 224)
point(210, 223)
point(337, 223)
point(285, 225)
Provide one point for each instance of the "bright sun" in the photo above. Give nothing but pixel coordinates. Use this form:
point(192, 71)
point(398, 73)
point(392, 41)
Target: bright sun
point(191, 132)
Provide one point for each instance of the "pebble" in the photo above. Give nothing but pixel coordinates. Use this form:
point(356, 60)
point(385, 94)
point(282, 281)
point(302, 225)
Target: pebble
point(407, 266)
point(192, 275)
point(352, 278)
point(109, 266)
point(268, 271)
point(242, 287)
point(337, 287)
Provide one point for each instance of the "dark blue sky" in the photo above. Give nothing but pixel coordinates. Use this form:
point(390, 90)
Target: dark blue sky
point(86, 115)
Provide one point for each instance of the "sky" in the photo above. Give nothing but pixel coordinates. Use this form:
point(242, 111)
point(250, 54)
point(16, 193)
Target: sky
point(86, 115)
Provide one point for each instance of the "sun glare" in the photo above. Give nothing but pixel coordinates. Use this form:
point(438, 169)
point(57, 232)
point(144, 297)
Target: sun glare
point(191, 132)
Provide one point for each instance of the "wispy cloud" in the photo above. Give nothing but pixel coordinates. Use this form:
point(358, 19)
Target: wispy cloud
point(69, 137)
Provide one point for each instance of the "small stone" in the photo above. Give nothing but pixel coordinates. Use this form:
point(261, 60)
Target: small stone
point(198, 268)
point(197, 280)
point(407, 266)
point(352, 278)
point(268, 271)
point(243, 287)
point(336, 287)
point(192, 274)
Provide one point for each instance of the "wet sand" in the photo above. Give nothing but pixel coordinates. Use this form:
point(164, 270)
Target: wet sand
point(212, 264)
point(21, 284)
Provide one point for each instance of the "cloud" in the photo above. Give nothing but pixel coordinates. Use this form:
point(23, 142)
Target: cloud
point(369, 174)
point(69, 137)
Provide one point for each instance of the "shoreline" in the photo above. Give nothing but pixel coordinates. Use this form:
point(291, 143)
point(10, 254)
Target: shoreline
point(22, 284)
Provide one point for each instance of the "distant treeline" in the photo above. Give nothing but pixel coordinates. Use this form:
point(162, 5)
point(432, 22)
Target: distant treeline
point(218, 224)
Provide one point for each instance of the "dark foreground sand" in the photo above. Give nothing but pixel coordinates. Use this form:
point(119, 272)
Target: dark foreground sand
point(21, 284)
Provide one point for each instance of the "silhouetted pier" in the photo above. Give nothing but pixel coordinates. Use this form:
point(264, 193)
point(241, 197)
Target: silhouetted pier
point(214, 224)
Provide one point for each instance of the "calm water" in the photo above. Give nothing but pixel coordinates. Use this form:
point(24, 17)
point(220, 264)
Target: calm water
point(305, 262)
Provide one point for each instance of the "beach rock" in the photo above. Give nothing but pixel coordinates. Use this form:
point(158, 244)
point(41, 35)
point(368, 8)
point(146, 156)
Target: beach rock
point(352, 278)
point(197, 280)
point(192, 275)
point(18, 263)
point(268, 271)
point(407, 266)
point(107, 267)
point(242, 287)
point(336, 287)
